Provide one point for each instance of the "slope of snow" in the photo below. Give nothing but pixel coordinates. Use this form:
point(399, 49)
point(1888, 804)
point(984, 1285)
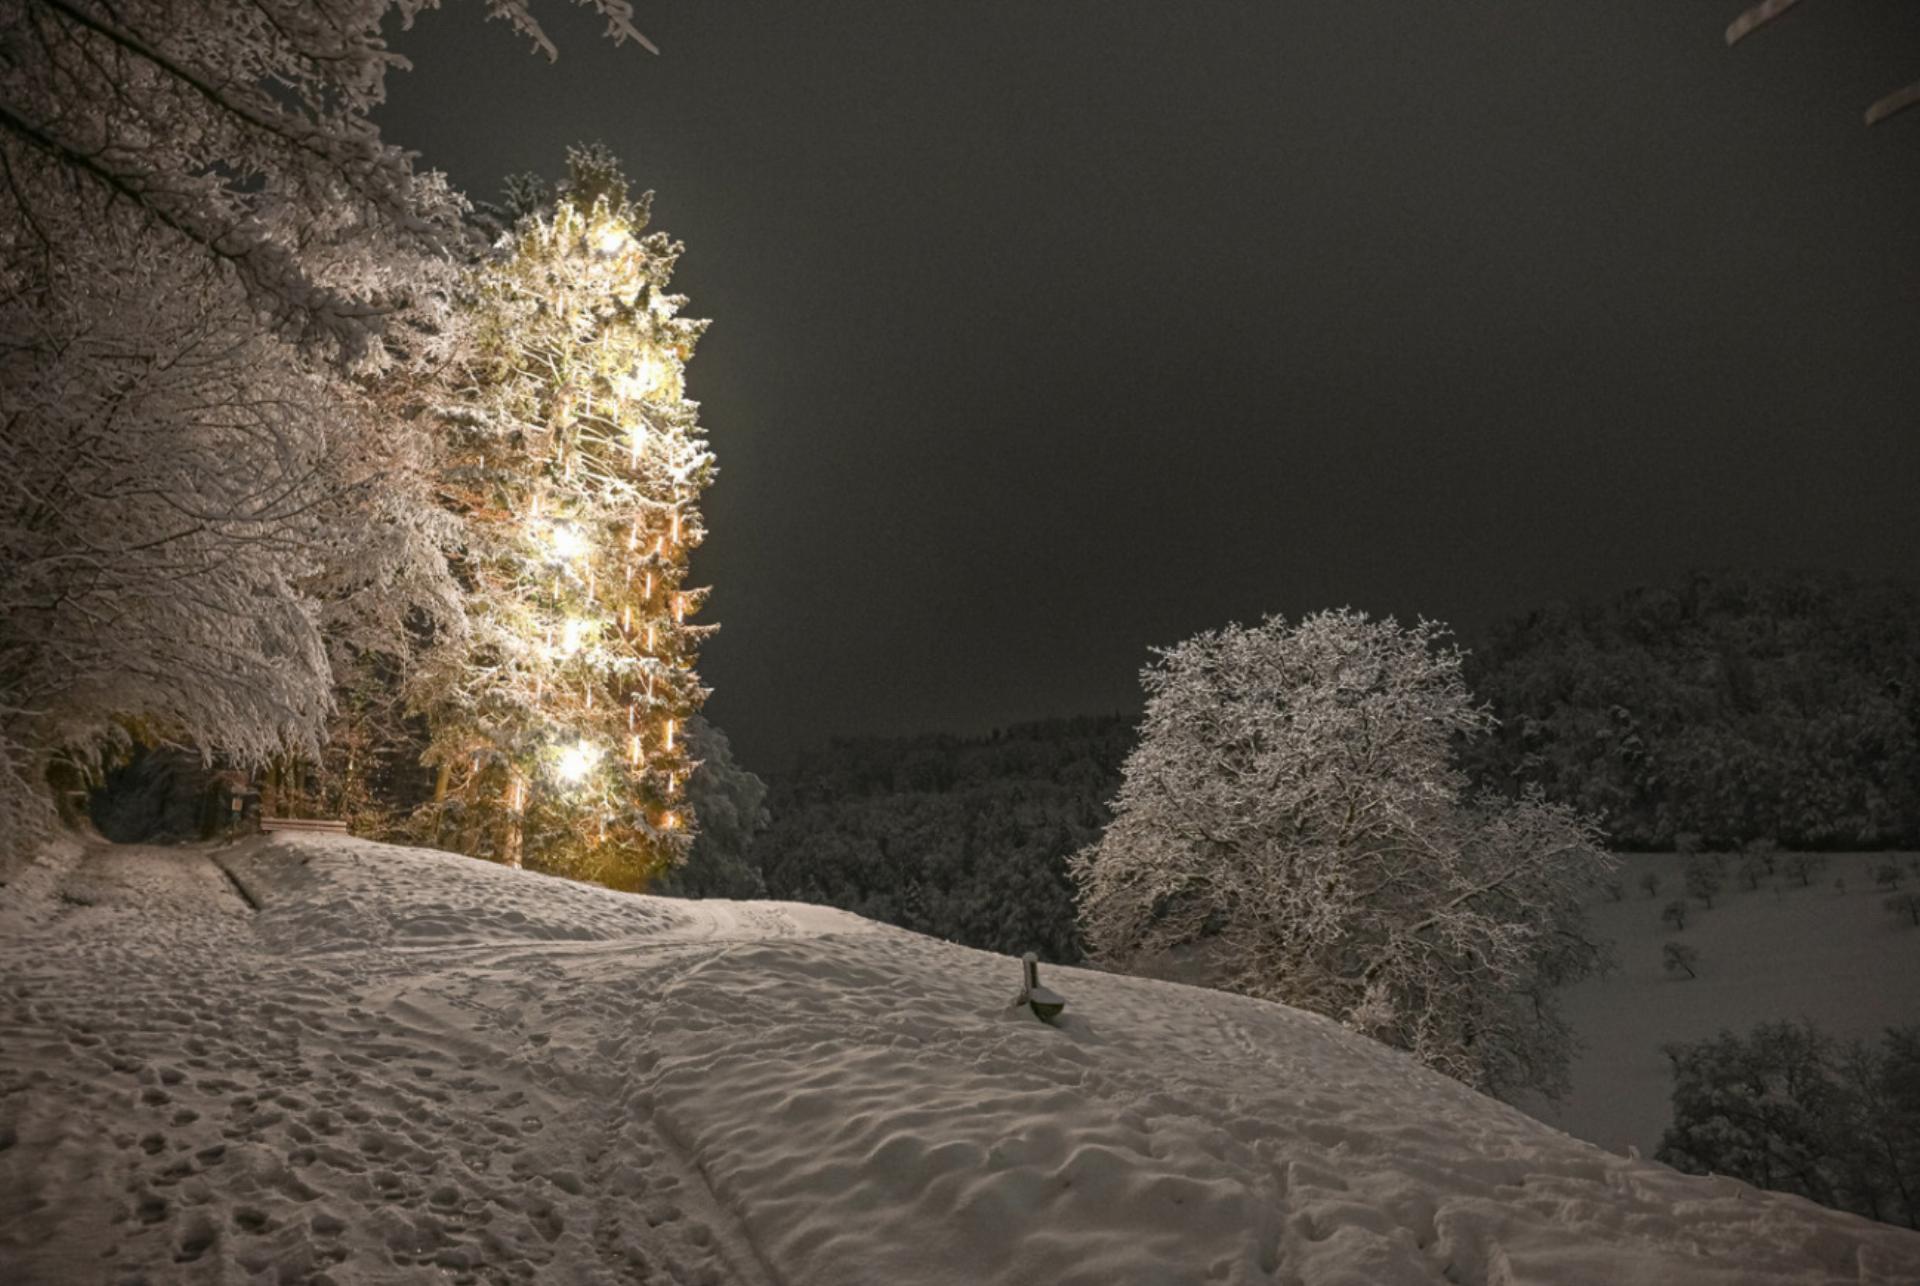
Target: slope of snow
point(407, 1067)
point(1834, 957)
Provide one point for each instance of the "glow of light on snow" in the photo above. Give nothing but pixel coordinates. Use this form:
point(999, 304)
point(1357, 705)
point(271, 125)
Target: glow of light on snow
point(613, 241)
point(1389, 1170)
point(576, 761)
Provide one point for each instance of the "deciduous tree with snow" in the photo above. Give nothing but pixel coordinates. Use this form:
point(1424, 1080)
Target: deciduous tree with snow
point(242, 131)
point(194, 506)
point(1293, 818)
point(1678, 957)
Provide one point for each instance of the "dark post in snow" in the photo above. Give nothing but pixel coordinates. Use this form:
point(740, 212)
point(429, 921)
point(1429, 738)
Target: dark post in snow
point(1046, 1005)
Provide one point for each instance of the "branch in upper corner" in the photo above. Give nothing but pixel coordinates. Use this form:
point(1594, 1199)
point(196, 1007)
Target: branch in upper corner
point(1898, 101)
point(1755, 18)
point(618, 13)
point(1762, 14)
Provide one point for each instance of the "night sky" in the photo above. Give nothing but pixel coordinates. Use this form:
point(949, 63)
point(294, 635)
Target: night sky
point(1046, 332)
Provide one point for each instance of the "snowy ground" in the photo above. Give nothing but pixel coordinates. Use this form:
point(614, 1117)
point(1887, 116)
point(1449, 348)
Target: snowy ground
point(410, 1067)
point(1832, 956)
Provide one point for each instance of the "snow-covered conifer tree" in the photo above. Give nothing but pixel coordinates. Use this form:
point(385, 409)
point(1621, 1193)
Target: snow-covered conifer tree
point(577, 464)
point(1292, 817)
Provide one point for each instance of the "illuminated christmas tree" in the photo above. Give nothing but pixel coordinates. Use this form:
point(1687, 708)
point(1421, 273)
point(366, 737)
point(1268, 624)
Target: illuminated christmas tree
point(576, 463)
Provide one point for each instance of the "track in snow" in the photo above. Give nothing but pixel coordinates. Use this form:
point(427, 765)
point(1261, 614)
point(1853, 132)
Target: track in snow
point(187, 1093)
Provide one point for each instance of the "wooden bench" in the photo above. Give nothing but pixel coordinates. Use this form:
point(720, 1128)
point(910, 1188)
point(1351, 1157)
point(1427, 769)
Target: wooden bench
point(313, 825)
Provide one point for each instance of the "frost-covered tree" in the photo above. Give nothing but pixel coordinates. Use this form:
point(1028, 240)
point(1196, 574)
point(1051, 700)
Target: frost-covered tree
point(208, 257)
point(1678, 957)
point(576, 464)
point(192, 506)
point(1702, 880)
point(1805, 867)
point(1293, 817)
point(240, 130)
point(1790, 1109)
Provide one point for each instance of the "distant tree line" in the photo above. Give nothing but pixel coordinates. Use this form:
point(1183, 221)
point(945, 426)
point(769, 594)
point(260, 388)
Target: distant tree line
point(1726, 709)
point(964, 838)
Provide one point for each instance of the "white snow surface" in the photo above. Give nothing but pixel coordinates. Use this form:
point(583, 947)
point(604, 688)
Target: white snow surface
point(407, 1066)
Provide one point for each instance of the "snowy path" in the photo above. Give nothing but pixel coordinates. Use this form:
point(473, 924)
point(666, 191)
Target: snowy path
point(411, 1067)
point(263, 1099)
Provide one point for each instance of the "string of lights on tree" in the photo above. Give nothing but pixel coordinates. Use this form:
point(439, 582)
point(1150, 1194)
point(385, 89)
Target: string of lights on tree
point(577, 464)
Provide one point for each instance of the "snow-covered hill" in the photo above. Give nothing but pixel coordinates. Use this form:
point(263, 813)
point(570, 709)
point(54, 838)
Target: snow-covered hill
point(401, 1066)
point(1781, 952)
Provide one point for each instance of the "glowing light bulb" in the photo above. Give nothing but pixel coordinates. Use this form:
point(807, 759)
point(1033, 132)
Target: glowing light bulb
point(669, 742)
point(613, 241)
point(668, 821)
point(577, 761)
point(573, 635)
point(569, 542)
point(650, 371)
point(650, 378)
